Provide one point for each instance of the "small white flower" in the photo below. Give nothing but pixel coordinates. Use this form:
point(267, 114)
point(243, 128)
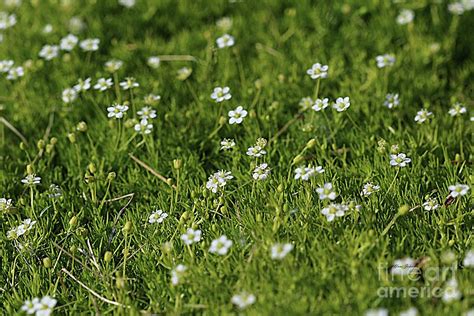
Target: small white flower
point(306, 103)
point(320, 104)
point(90, 44)
point(430, 205)
point(76, 25)
point(237, 116)
point(406, 16)
point(451, 291)
point(256, 151)
point(218, 180)
point(225, 41)
point(369, 188)
point(404, 266)
point(457, 109)
point(391, 100)
point(5, 204)
point(227, 144)
point(261, 172)
point(243, 300)
point(69, 95)
point(30, 306)
point(279, 251)
point(157, 216)
point(129, 83)
point(47, 29)
point(154, 61)
point(7, 20)
point(456, 8)
point(103, 84)
point(31, 179)
point(113, 65)
point(177, 274)
point(221, 94)
point(305, 173)
point(386, 60)
point(191, 236)
point(221, 245)
point(342, 104)
point(15, 73)
point(143, 127)
point(318, 71)
point(83, 85)
point(224, 23)
point(45, 306)
point(458, 190)
point(469, 259)
point(127, 3)
point(399, 160)
point(412, 311)
point(49, 52)
point(117, 111)
point(28, 224)
point(333, 210)
point(68, 42)
point(6, 65)
point(326, 192)
point(152, 99)
point(147, 113)
point(422, 116)
point(376, 312)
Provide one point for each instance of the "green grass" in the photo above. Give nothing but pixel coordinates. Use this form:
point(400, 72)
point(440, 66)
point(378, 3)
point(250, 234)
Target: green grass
point(335, 267)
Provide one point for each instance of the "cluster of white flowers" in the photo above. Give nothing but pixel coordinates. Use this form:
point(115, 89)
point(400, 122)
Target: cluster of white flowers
point(279, 250)
point(218, 180)
point(261, 172)
point(5, 204)
point(227, 144)
point(68, 43)
point(341, 104)
point(459, 7)
point(13, 73)
point(39, 307)
point(7, 20)
point(306, 172)
point(258, 150)
point(21, 229)
point(117, 111)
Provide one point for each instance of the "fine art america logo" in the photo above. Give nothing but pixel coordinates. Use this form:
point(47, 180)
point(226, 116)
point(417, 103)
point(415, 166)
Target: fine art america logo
point(411, 278)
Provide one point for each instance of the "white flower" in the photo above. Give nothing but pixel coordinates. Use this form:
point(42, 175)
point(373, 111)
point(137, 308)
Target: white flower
point(7, 20)
point(377, 312)
point(12, 3)
point(83, 85)
point(342, 104)
point(469, 259)
point(191, 236)
point(243, 300)
point(279, 251)
point(227, 144)
point(151, 99)
point(31, 179)
point(404, 266)
point(457, 109)
point(129, 83)
point(143, 127)
point(224, 23)
point(237, 116)
point(146, 113)
point(225, 41)
point(451, 291)
point(184, 73)
point(15, 73)
point(113, 65)
point(69, 95)
point(218, 180)
point(305, 173)
point(320, 104)
point(412, 311)
point(391, 100)
point(127, 3)
point(103, 84)
point(406, 16)
point(157, 216)
point(399, 160)
point(256, 151)
point(306, 103)
point(117, 111)
point(90, 44)
point(6, 65)
point(76, 25)
point(456, 8)
point(326, 192)
point(220, 246)
point(261, 172)
point(153, 62)
point(54, 191)
point(385, 60)
point(68, 42)
point(458, 190)
point(30, 306)
point(469, 312)
point(318, 71)
point(422, 116)
point(333, 210)
point(221, 94)
point(45, 306)
point(369, 188)
point(28, 224)
point(49, 52)
point(5, 204)
point(178, 273)
point(47, 29)
point(430, 204)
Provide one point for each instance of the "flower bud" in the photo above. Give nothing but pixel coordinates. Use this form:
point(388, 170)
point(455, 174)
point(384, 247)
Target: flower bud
point(73, 221)
point(222, 120)
point(71, 137)
point(108, 256)
point(127, 228)
point(403, 209)
point(22, 146)
point(169, 181)
point(29, 169)
point(81, 126)
point(49, 148)
point(47, 262)
point(298, 159)
point(91, 167)
point(177, 163)
point(40, 144)
point(53, 141)
point(311, 143)
point(111, 176)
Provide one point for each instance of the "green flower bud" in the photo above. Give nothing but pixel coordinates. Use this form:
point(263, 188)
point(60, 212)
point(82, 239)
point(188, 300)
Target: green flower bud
point(127, 228)
point(73, 221)
point(108, 256)
point(403, 209)
point(47, 262)
point(81, 126)
point(40, 144)
point(71, 137)
point(177, 163)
